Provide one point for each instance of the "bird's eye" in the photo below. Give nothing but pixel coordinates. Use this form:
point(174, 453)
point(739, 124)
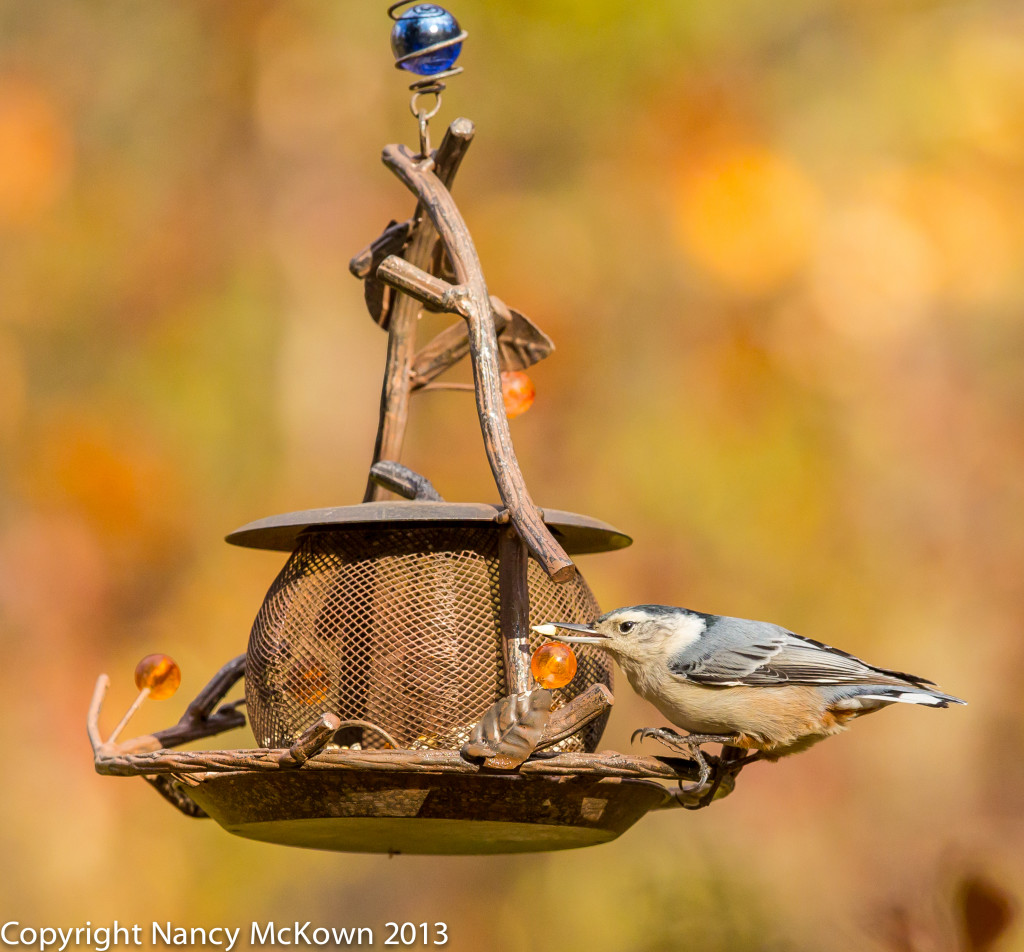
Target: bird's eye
point(626, 626)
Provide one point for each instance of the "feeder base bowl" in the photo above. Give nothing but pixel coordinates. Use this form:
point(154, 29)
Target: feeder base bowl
point(416, 812)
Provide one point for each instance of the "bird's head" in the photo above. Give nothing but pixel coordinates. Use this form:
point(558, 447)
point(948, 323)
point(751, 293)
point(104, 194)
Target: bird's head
point(639, 633)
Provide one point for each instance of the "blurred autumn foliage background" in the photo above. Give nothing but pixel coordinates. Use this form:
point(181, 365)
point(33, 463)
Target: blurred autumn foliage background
point(779, 247)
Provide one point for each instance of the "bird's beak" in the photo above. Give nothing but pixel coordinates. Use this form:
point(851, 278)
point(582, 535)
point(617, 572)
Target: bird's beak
point(588, 636)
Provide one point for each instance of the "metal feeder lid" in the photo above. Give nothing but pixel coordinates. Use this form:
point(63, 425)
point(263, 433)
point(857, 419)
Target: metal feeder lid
point(578, 535)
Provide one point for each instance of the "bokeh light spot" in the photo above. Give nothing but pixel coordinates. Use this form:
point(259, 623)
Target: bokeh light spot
point(965, 221)
point(35, 152)
point(746, 215)
point(874, 278)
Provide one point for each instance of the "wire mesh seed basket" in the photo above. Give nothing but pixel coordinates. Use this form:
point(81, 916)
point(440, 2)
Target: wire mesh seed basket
point(396, 625)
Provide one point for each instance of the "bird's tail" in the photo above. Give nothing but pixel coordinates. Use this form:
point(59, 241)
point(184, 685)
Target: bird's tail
point(906, 695)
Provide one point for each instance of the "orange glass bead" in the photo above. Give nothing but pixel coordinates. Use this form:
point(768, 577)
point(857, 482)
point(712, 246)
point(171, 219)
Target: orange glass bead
point(553, 665)
point(160, 674)
point(518, 392)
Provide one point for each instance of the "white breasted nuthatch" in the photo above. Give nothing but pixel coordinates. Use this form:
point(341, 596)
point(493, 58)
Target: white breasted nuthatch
point(746, 684)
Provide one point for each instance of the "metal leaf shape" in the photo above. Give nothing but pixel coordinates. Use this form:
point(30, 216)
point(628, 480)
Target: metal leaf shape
point(511, 729)
point(522, 343)
point(378, 295)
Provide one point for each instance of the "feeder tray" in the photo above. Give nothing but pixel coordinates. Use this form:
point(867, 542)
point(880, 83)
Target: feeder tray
point(403, 812)
point(387, 676)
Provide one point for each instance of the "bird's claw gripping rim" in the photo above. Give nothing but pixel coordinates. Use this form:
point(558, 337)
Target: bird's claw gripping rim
point(712, 775)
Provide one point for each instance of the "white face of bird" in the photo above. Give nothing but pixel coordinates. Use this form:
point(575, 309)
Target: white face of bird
point(642, 633)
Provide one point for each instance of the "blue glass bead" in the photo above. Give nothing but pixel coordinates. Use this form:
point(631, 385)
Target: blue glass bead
point(419, 27)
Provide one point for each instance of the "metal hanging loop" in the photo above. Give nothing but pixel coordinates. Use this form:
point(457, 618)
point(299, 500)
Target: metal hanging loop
point(423, 117)
point(418, 111)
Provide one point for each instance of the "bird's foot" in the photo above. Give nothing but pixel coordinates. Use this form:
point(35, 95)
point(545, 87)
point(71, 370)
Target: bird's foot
point(724, 772)
point(689, 743)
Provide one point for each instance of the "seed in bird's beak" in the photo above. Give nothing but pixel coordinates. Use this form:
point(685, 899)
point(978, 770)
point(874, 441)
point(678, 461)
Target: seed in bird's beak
point(587, 634)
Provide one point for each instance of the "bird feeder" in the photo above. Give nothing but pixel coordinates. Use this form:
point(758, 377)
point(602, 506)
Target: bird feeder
point(387, 676)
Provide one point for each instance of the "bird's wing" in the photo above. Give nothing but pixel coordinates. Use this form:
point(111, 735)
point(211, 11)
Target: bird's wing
point(735, 651)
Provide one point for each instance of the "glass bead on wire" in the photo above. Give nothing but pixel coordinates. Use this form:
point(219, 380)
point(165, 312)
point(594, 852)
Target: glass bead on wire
point(423, 27)
point(517, 392)
point(160, 674)
point(553, 665)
